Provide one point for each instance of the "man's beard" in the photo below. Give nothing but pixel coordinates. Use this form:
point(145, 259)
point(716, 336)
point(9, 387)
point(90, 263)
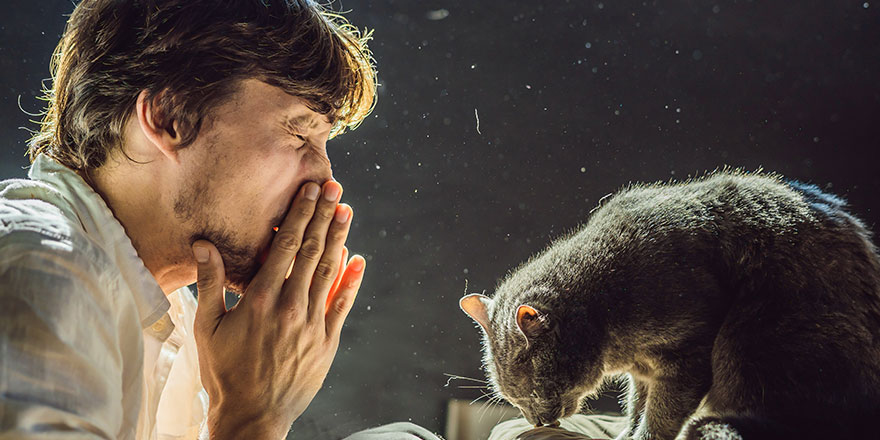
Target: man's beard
point(240, 261)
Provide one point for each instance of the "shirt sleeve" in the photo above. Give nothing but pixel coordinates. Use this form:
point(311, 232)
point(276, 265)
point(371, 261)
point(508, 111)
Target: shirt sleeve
point(60, 362)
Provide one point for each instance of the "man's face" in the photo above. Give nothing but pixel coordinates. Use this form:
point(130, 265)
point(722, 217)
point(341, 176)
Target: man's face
point(242, 172)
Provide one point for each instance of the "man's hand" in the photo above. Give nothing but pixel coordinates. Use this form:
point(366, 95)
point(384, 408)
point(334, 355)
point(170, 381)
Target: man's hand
point(263, 361)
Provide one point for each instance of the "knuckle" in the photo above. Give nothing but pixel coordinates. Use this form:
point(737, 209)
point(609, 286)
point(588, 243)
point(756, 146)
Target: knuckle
point(338, 233)
point(258, 301)
point(297, 323)
point(340, 305)
point(305, 210)
point(205, 282)
point(288, 240)
point(311, 248)
point(325, 270)
point(292, 314)
point(324, 214)
point(311, 327)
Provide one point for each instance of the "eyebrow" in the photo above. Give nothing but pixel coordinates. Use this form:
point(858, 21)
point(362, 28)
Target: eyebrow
point(304, 121)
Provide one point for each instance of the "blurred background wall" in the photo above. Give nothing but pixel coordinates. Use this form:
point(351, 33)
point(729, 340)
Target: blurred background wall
point(501, 123)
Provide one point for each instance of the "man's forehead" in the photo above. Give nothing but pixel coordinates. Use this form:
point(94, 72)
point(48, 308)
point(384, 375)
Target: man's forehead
point(257, 92)
point(263, 98)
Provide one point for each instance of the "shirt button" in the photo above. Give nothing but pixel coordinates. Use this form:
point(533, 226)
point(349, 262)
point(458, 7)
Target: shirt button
point(158, 326)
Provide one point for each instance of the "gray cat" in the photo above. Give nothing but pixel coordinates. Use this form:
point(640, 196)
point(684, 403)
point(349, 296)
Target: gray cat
point(737, 302)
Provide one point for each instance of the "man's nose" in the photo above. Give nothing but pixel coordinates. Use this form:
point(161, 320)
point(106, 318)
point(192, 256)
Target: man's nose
point(321, 176)
point(318, 168)
point(325, 173)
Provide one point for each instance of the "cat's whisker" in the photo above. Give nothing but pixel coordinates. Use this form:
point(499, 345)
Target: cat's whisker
point(475, 387)
point(485, 408)
point(455, 376)
point(492, 397)
point(483, 411)
point(492, 404)
point(478, 398)
point(499, 402)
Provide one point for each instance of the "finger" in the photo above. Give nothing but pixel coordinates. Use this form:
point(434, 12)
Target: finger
point(288, 240)
point(344, 297)
point(294, 294)
point(342, 264)
point(328, 266)
point(210, 281)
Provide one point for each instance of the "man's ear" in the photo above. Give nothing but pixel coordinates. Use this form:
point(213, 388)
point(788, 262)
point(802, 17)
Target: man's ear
point(477, 307)
point(161, 131)
point(531, 322)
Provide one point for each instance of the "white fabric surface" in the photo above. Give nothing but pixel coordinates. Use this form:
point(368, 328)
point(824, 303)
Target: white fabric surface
point(395, 431)
point(90, 347)
point(578, 426)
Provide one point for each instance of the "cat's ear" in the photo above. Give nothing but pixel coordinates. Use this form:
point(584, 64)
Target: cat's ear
point(477, 307)
point(530, 322)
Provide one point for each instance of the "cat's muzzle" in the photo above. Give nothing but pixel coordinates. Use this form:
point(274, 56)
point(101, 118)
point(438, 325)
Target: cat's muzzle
point(543, 417)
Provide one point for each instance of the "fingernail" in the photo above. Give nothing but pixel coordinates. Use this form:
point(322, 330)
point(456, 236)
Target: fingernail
point(331, 192)
point(201, 254)
point(341, 214)
point(358, 264)
point(312, 191)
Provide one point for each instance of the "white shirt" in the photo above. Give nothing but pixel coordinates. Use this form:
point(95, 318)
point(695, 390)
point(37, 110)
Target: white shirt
point(90, 346)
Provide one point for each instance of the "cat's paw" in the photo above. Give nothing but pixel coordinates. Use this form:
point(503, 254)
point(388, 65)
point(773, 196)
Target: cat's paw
point(709, 428)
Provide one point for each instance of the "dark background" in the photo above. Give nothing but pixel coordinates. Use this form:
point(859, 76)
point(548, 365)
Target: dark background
point(575, 99)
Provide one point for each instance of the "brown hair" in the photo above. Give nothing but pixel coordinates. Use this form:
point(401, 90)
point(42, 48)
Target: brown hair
point(190, 55)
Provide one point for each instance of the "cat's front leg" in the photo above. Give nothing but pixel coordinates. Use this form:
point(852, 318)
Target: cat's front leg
point(671, 400)
point(634, 402)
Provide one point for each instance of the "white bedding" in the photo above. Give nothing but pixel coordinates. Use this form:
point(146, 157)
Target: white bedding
point(576, 427)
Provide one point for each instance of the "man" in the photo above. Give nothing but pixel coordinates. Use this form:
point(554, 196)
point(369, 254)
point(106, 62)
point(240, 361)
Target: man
point(180, 136)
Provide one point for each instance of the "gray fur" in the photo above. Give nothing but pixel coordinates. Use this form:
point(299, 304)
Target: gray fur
point(733, 300)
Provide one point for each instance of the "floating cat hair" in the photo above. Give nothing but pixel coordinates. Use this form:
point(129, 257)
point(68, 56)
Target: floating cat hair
point(735, 300)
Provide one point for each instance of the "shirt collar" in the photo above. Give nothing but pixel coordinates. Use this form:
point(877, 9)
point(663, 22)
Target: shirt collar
point(100, 224)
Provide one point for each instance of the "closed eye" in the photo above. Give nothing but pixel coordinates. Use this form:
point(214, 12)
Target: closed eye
point(300, 140)
point(296, 135)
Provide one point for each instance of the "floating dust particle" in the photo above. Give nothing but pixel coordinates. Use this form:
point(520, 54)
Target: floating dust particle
point(477, 115)
point(437, 14)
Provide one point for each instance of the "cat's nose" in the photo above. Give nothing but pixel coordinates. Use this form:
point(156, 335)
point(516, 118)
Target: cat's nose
point(547, 420)
point(551, 416)
point(552, 421)
point(536, 418)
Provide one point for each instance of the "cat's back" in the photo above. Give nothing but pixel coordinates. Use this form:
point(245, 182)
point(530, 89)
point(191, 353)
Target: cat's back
point(746, 219)
point(708, 203)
